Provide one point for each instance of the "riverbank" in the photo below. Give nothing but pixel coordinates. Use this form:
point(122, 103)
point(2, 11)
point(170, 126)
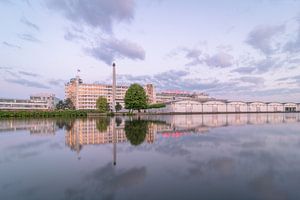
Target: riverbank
point(43, 114)
point(93, 113)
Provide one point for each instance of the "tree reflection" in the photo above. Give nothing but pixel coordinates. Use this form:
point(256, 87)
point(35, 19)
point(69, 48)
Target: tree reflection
point(102, 124)
point(118, 121)
point(136, 131)
point(65, 123)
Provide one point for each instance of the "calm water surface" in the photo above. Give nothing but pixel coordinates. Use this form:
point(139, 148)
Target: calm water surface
point(234, 156)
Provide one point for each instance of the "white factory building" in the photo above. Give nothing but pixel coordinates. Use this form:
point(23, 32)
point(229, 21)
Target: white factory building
point(223, 106)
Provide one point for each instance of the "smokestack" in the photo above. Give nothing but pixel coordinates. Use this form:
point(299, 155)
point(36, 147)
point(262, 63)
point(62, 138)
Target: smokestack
point(114, 88)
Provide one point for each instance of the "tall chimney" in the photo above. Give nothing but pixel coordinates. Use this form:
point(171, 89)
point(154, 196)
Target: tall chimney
point(114, 88)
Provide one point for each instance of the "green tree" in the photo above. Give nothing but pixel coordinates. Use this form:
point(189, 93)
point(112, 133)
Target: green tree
point(102, 105)
point(118, 107)
point(68, 104)
point(60, 105)
point(135, 97)
point(136, 131)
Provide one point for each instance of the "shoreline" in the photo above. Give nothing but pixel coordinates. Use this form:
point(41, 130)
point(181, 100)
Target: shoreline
point(90, 114)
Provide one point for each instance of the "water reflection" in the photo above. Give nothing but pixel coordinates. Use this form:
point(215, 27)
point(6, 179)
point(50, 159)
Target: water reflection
point(136, 130)
point(34, 126)
point(233, 156)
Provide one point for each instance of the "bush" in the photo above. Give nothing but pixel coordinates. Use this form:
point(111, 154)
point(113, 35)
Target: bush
point(156, 105)
point(35, 114)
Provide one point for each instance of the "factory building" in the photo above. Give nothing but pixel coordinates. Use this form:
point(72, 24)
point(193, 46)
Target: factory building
point(84, 95)
point(223, 106)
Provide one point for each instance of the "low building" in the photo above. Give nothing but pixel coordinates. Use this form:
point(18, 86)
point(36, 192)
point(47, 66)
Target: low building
point(49, 98)
point(36, 102)
point(168, 96)
point(223, 106)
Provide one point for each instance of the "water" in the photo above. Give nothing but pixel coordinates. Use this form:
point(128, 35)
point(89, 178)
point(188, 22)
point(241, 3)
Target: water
point(234, 156)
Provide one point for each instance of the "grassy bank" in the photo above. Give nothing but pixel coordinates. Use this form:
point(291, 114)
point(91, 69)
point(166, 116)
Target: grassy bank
point(43, 114)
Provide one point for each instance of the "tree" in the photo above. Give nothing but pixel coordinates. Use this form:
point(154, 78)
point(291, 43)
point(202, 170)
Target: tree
point(136, 131)
point(135, 97)
point(68, 104)
point(118, 107)
point(60, 105)
point(102, 105)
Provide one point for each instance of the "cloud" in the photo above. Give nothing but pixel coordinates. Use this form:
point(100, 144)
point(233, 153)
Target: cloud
point(196, 57)
point(267, 64)
point(11, 45)
point(56, 82)
point(95, 13)
point(26, 146)
point(29, 37)
point(106, 181)
point(260, 66)
point(261, 37)
point(29, 24)
point(28, 74)
point(95, 19)
point(252, 80)
point(292, 79)
point(293, 46)
point(220, 60)
point(244, 70)
point(71, 36)
point(28, 83)
point(108, 51)
point(170, 80)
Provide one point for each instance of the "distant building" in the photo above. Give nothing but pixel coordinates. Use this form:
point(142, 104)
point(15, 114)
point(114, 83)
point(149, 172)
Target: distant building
point(36, 102)
point(168, 96)
point(49, 98)
point(224, 106)
point(84, 96)
point(151, 93)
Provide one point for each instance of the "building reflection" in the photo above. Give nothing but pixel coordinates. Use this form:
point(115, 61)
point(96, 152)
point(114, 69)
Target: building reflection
point(100, 131)
point(37, 127)
point(93, 131)
point(96, 131)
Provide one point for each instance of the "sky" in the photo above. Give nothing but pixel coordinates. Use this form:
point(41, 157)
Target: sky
point(231, 49)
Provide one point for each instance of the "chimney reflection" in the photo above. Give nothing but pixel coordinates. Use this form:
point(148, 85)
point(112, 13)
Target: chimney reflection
point(114, 141)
